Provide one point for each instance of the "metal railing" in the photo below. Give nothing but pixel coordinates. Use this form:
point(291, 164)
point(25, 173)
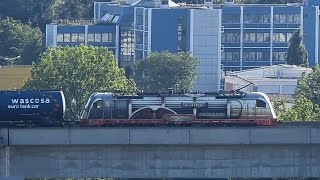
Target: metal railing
point(82, 21)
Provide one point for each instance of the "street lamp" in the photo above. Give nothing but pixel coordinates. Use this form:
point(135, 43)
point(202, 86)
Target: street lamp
point(11, 59)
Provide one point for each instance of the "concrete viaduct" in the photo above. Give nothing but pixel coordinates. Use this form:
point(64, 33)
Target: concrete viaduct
point(166, 152)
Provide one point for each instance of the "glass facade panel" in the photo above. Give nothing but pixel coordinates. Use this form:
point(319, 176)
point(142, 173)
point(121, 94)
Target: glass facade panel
point(60, 37)
point(81, 37)
point(97, 37)
point(90, 37)
point(74, 37)
point(66, 37)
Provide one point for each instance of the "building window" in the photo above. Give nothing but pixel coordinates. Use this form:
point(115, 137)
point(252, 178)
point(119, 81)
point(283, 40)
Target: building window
point(256, 18)
point(282, 18)
point(127, 46)
point(81, 37)
point(164, 2)
point(296, 18)
point(279, 56)
point(146, 39)
point(74, 37)
point(97, 37)
point(60, 37)
point(230, 18)
point(90, 37)
point(181, 35)
point(263, 56)
point(231, 56)
point(256, 56)
point(260, 37)
point(139, 19)
point(110, 37)
point(290, 18)
point(231, 37)
point(280, 37)
point(66, 37)
point(105, 37)
point(249, 37)
point(266, 18)
point(286, 18)
point(263, 37)
point(276, 18)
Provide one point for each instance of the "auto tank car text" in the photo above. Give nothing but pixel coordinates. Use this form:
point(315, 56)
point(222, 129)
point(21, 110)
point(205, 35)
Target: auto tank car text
point(28, 103)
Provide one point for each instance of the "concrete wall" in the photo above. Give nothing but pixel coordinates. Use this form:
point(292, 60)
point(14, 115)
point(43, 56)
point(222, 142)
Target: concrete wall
point(185, 152)
point(165, 161)
point(174, 136)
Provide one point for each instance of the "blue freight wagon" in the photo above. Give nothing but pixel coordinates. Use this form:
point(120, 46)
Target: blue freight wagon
point(38, 107)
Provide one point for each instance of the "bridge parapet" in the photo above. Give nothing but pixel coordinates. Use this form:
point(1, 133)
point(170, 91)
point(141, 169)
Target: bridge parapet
point(160, 135)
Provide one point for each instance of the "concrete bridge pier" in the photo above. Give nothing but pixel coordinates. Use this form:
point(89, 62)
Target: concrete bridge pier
point(5, 163)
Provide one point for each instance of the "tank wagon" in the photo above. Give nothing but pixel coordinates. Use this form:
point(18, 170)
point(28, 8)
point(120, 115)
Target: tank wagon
point(110, 109)
point(31, 107)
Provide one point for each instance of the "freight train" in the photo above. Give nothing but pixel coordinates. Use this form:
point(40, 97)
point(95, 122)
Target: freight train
point(47, 108)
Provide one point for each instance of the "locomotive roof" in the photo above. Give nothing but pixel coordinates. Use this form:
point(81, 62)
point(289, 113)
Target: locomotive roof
point(250, 95)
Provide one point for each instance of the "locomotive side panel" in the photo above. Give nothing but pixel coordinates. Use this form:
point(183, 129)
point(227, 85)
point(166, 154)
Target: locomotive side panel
point(212, 108)
point(179, 104)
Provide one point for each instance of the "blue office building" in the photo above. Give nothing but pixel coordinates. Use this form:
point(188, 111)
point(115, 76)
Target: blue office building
point(256, 35)
point(194, 30)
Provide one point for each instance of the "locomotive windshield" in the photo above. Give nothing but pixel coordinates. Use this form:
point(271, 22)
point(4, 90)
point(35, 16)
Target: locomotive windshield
point(261, 103)
point(96, 111)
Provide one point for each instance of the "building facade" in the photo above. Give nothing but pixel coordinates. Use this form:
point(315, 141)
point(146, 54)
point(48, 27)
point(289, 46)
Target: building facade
point(256, 35)
point(147, 26)
point(197, 31)
point(249, 36)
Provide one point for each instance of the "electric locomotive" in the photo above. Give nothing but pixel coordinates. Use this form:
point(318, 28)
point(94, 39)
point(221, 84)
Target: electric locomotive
point(223, 108)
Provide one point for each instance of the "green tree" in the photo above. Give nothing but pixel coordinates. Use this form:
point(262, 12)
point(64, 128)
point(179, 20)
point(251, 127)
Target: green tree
point(308, 86)
point(307, 99)
point(18, 39)
point(280, 109)
point(71, 9)
point(78, 72)
point(163, 70)
point(302, 110)
point(297, 54)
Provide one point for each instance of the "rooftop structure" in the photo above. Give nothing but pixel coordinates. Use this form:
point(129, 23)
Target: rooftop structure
point(277, 79)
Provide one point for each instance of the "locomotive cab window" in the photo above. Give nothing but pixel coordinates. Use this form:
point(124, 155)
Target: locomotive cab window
point(261, 103)
point(96, 111)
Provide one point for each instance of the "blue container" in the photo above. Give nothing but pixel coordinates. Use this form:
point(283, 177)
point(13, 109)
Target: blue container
point(38, 106)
